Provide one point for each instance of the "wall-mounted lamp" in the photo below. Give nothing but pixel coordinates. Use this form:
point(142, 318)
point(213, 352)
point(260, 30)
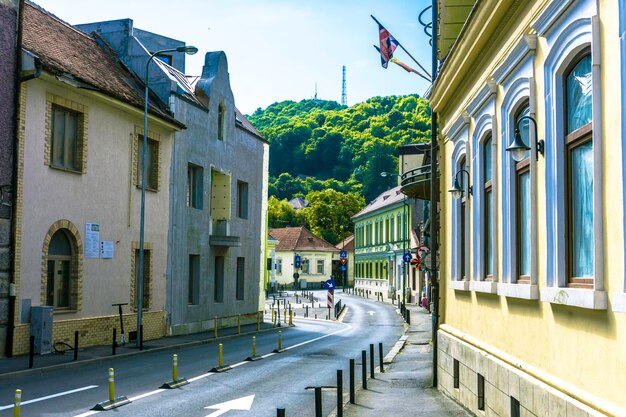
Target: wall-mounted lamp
point(456, 190)
point(518, 148)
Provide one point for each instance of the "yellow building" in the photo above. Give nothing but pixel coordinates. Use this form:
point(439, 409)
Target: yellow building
point(532, 320)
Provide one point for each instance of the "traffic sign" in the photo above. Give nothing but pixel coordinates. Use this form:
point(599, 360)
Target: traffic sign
point(407, 257)
point(297, 260)
point(343, 254)
point(344, 268)
point(330, 284)
point(344, 261)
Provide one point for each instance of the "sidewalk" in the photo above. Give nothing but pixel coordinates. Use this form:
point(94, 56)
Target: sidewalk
point(405, 388)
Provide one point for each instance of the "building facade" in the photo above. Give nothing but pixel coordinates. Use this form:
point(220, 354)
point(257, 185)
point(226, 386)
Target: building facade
point(218, 190)
point(381, 239)
point(78, 191)
point(316, 258)
point(532, 252)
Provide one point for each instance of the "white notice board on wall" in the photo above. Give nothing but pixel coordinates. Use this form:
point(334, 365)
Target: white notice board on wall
point(92, 240)
point(107, 249)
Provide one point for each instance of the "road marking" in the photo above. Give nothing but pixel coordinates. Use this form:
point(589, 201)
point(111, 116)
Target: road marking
point(47, 397)
point(243, 404)
point(371, 313)
point(205, 375)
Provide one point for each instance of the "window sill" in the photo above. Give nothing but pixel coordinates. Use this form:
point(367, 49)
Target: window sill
point(523, 291)
point(575, 297)
point(63, 311)
point(488, 287)
point(618, 301)
point(460, 285)
point(72, 170)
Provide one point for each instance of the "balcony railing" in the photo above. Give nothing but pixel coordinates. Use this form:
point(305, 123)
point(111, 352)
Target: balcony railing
point(416, 182)
point(220, 235)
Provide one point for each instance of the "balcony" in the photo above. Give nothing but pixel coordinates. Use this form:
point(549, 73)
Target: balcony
point(415, 170)
point(221, 236)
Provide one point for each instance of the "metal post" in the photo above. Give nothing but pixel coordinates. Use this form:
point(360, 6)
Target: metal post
point(339, 393)
point(141, 337)
point(111, 384)
point(114, 343)
point(215, 327)
point(372, 360)
point(76, 345)
point(18, 402)
point(280, 412)
point(364, 368)
point(280, 340)
point(238, 323)
point(318, 401)
point(175, 367)
point(31, 352)
point(352, 381)
point(253, 346)
point(380, 357)
point(220, 356)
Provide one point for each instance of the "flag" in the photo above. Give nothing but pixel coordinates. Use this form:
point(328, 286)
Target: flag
point(388, 44)
point(403, 65)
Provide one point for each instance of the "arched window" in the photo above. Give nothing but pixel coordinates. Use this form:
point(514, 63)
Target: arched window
point(59, 279)
point(463, 267)
point(488, 208)
point(579, 171)
point(522, 200)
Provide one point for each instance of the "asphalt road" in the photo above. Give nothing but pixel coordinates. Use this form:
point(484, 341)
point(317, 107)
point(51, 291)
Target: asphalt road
point(315, 349)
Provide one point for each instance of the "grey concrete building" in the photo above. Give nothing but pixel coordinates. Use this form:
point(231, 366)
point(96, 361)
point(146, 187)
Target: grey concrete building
point(9, 21)
point(218, 185)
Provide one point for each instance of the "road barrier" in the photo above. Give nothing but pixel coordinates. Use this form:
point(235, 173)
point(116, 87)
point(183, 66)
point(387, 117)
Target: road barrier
point(352, 400)
point(17, 404)
point(220, 360)
point(364, 368)
point(339, 393)
point(372, 360)
point(254, 356)
point(318, 401)
point(175, 382)
point(112, 402)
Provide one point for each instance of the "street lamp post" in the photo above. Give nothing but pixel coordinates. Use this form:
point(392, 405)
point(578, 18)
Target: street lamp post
point(190, 50)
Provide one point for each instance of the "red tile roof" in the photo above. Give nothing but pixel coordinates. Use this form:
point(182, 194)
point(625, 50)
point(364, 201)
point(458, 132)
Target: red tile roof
point(300, 239)
point(346, 244)
point(88, 61)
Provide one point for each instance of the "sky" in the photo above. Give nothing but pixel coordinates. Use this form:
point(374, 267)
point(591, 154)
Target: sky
point(281, 49)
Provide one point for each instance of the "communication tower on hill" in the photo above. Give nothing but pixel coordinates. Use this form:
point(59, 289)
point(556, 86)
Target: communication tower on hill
point(344, 94)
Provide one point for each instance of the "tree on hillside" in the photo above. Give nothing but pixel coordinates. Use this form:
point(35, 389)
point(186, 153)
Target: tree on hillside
point(328, 213)
point(281, 214)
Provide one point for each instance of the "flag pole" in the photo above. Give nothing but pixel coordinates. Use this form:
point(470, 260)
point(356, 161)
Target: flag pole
point(413, 70)
point(407, 52)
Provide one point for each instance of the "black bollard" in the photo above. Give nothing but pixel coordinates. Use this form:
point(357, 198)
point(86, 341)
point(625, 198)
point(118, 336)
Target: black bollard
point(306, 314)
point(408, 317)
point(380, 357)
point(114, 344)
point(76, 345)
point(141, 337)
point(31, 352)
point(372, 360)
point(351, 381)
point(364, 368)
point(318, 401)
point(280, 412)
point(339, 393)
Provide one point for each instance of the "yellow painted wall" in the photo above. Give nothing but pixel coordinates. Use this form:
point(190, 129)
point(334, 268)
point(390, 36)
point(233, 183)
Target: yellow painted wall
point(581, 347)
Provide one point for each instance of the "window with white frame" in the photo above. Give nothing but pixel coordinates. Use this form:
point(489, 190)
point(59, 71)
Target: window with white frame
point(488, 208)
point(279, 265)
point(522, 200)
point(462, 259)
point(320, 266)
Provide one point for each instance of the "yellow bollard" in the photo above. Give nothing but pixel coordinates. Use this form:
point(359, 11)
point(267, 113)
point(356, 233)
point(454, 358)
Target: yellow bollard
point(291, 318)
point(274, 318)
point(238, 323)
point(220, 356)
point(253, 346)
point(258, 322)
point(215, 327)
point(18, 401)
point(285, 316)
point(175, 368)
point(280, 340)
point(111, 385)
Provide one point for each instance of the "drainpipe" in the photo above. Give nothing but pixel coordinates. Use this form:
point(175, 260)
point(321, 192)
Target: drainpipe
point(434, 197)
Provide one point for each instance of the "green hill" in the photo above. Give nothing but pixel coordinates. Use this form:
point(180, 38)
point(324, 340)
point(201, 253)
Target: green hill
point(317, 145)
